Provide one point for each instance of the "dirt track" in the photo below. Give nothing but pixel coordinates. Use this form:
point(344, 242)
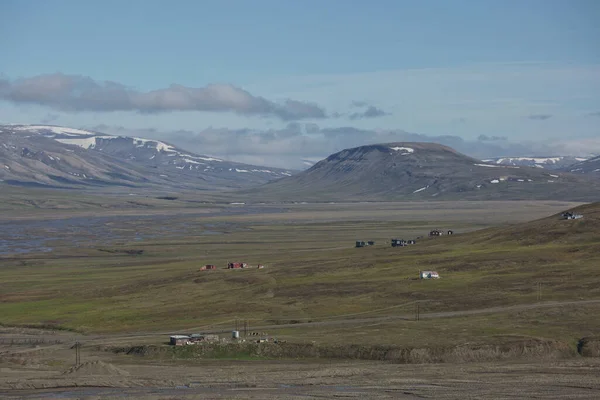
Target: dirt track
point(115, 338)
point(309, 380)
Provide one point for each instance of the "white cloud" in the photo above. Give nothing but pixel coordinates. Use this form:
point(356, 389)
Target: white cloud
point(76, 93)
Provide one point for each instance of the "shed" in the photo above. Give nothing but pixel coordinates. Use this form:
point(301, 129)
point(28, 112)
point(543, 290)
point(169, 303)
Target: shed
point(236, 265)
point(196, 337)
point(202, 337)
point(570, 215)
point(398, 242)
point(179, 340)
point(360, 243)
point(428, 275)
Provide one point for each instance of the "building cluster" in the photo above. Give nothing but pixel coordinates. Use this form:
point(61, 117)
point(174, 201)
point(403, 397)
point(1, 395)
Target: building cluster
point(230, 265)
point(437, 232)
point(401, 242)
point(195, 338)
point(202, 338)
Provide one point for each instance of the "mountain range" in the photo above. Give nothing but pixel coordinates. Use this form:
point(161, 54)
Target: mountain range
point(554, 162)
point(59, 157)
point(417, 171)
point(51, 156)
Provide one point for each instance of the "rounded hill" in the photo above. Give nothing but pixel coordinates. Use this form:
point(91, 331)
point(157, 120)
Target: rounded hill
point(410, 171)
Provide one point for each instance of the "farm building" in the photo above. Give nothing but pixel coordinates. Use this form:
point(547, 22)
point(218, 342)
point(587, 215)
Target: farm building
point(179, 340)
point(436, 232)
point(402, 242)
point(398, 242)
point(236, 265)
point(428, 275)
point(360, 243)
point(198, 337)
point(450, 232)
point(207, 267)
point(570, 215)
point(371, 243)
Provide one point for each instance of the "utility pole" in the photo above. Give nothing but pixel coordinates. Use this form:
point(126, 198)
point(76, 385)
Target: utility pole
point(77, 354)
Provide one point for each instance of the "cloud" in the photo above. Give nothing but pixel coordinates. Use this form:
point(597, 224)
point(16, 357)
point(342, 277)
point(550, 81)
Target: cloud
point(370, 112)
point(486, 138)
point(49, 118)
point(539, 117)
point(75, 93)
point(594, 114)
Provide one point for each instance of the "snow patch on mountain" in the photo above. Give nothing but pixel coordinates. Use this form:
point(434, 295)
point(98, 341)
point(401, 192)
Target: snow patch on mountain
point(406, 149)
point(86, 143)
point(488, 165)
point(159, 146)
point(59, 130)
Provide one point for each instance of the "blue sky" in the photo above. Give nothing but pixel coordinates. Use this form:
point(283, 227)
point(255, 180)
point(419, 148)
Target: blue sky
point(522, 70)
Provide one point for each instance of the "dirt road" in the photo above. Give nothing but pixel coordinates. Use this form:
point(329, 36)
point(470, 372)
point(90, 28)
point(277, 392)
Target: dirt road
point(409, 317)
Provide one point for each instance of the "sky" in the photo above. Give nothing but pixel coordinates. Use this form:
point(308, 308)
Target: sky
point(275, 82)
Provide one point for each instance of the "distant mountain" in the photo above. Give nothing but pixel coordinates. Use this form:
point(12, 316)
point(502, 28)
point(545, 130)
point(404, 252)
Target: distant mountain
point(51, 156)
point(589, 167)
point(414, 171)
point(556, 162)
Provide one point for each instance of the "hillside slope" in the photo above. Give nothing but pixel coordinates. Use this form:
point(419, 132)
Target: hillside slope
point(49, 156)
point(412, 171)
point(553, 230)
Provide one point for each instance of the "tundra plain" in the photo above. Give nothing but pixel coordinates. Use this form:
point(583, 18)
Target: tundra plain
point(518, 293)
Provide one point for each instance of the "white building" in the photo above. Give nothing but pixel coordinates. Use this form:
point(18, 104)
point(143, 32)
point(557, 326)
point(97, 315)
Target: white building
point(428, 275)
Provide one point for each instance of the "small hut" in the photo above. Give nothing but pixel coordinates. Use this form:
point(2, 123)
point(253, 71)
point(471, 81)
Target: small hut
point(179, 340)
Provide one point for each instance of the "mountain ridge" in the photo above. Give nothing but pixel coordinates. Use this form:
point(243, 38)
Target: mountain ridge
point(589, 167)
point(60, 157)
point(551, 162)
point(417, 171)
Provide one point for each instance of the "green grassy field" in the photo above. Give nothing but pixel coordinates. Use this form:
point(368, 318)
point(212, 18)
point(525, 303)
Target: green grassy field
point(314, 274)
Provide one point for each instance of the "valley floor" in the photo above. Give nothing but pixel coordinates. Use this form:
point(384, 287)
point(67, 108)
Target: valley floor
point(505, 320)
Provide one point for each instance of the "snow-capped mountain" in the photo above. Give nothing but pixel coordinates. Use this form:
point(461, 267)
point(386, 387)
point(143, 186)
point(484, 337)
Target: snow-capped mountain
point(556, 162)
point(58, 156)
point(590, 167)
